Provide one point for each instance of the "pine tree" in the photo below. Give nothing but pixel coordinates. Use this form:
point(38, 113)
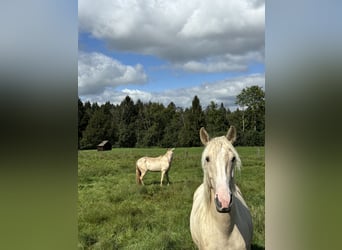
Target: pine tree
point(172, 127)
point(128, 115)
point(193, 120)
point(98, 129)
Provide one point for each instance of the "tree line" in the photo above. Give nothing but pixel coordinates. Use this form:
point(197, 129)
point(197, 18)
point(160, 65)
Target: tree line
point(139, 124)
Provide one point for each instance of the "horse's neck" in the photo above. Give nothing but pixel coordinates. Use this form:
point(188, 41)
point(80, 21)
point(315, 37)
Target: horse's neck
point(168, 157)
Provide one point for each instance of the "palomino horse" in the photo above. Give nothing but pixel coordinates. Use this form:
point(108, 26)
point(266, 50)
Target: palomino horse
point(161, 163)
point(220, 218)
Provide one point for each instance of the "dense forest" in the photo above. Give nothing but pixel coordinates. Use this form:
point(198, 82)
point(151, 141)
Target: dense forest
point(139, 124)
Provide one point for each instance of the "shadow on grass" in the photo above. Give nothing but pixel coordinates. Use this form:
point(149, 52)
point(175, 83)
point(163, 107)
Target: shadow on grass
point(257, 247)
point(156, 183)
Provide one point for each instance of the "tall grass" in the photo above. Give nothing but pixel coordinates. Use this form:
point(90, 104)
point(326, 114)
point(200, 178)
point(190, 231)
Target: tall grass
point(115, 213)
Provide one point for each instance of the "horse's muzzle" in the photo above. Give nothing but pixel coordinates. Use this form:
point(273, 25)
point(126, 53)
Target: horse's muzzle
point(219, 207)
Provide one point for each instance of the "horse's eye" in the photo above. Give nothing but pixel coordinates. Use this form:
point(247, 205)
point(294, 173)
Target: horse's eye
point(233, 159)
point(207, 159)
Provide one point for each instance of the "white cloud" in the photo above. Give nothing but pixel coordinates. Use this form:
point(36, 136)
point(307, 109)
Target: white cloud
point(185, 33)
point(218, 66)
point(96, 72)
point(116, 97)
point(223, 18)
point(222, 63)
point(136, 94)
point(224, 91)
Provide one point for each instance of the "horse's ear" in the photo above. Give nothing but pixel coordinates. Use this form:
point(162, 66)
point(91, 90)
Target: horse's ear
point(204, 136)
point(172, 149)
point(231, 134)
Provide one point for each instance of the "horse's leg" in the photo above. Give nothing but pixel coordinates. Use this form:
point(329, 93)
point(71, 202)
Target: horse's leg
point(162, 177)
point(142, 176)
point(167, 178)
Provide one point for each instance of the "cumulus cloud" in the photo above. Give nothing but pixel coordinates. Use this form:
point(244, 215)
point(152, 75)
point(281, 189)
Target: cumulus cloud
point(96, 72)
point(209, 67)
point(224, 91)
point(222, 63)
point(116, 97)
point(185, 33)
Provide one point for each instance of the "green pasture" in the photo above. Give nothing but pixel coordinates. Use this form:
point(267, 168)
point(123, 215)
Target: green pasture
point(115, 213)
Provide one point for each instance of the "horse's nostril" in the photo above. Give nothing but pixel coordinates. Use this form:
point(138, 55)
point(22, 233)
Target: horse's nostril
point(217, 201)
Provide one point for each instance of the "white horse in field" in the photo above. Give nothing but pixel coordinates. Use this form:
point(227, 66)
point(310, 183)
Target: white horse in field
point(161, 164)
point(220, 218)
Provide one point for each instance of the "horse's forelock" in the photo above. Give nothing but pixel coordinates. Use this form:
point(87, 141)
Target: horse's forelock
point(219, 142)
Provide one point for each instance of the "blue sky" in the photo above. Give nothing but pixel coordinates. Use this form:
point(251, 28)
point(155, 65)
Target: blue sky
point(170, 51)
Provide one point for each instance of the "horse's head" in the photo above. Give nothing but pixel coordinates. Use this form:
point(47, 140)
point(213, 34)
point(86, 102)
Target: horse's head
point(219, 160)
point(169, 153)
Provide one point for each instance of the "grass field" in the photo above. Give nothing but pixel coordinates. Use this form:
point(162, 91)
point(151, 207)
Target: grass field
point(115, 213)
